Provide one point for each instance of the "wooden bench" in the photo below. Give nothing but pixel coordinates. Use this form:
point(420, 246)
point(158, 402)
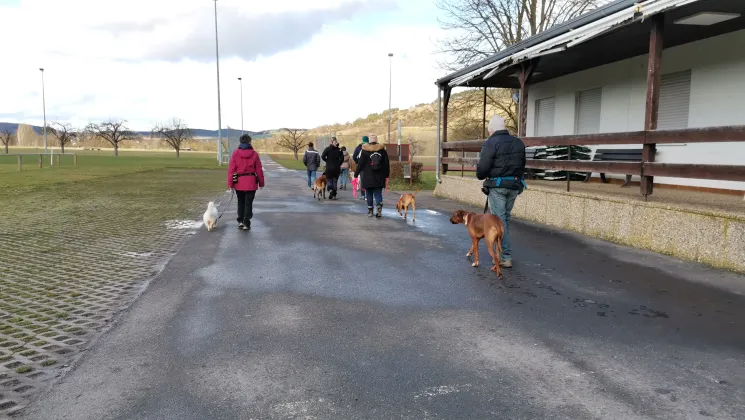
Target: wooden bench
point(618, 155)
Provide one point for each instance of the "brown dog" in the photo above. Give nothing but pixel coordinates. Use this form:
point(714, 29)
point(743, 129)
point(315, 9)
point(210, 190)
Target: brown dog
point(482, 226)
point(319, 187)
point(404, 202)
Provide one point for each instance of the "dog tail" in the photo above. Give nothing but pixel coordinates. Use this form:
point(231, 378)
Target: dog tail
point(414, 195)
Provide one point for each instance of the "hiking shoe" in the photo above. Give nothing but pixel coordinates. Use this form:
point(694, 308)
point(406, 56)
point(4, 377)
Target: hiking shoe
point(379, 214)
point(241, 226)
point(506, 264)
point(370, 212)
point(246, 226)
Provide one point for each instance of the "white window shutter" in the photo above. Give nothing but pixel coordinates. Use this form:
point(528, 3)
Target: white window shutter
point(675, 100)
point(544, 116)
point(587, 113)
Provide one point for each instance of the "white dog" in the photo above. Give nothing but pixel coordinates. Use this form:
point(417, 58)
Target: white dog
point(210, 216)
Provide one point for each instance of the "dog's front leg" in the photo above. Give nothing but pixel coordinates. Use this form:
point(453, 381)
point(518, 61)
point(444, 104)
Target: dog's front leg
point(413, 207)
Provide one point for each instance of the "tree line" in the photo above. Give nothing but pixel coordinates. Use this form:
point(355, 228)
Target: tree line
point(115, 132)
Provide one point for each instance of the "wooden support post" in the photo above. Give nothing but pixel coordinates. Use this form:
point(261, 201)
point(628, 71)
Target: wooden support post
point(523, 75)
point(445, 102)
point(41, 159)
point(484, 133)
point(75, 159)
point(462, 165)
point(20, 162)
point(656, 36)
point(569, 174)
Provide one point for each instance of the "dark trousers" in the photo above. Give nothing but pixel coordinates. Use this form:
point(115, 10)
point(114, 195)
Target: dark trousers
point(376, 193)
point(331, 183)
point(245, 205)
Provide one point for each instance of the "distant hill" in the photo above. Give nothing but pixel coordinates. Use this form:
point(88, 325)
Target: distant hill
point(198, 132)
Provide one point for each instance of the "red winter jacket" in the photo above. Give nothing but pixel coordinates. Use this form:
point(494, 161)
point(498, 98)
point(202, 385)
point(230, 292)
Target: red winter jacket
point(245, 161)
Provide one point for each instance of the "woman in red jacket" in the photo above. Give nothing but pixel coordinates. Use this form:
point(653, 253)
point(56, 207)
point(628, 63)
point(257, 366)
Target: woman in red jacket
point(245, 176)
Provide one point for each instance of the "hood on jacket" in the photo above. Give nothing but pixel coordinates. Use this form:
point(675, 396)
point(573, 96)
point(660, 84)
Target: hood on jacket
point(246, 153)
point(245, 146)
point(372, 147)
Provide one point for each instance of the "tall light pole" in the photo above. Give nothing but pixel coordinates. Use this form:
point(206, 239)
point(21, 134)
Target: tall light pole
point(390, 89)
point(219, 111)
point(240, 79)
point(44, 104)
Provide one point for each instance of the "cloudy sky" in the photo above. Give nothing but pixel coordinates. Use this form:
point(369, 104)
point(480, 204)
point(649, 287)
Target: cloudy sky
point(304, 62)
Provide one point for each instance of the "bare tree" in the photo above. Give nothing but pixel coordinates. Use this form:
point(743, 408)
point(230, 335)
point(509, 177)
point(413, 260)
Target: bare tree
point(484, 27)
point(6, 136)
point(112, 131)
point(415, 146)
point(481, 28)
point(175, 133)
point(64, 133)
point(293, 139)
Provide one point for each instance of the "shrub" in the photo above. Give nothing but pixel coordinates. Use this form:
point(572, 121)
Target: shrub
point(397, 170)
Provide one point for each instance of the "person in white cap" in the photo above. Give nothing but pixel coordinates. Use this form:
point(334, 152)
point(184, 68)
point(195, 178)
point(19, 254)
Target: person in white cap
point(501, 166)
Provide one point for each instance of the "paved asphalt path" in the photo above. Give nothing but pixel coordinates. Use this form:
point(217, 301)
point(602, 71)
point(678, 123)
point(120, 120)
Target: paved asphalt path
point(322, 313)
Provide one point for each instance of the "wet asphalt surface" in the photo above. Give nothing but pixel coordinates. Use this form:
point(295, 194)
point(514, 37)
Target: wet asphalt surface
point(322, 313)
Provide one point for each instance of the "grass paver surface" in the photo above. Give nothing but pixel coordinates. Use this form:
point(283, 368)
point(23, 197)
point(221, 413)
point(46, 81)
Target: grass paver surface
point(78, 244)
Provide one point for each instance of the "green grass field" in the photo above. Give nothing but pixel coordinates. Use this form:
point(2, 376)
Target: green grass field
point(91, 165)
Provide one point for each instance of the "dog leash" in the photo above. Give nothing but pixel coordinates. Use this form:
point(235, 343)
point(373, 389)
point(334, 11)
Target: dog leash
point(232, 194)
point(486, 205)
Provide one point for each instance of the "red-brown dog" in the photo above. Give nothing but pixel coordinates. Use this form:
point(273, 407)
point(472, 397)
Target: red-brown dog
point(404, 202)
point(319, 187)
point(482, 226)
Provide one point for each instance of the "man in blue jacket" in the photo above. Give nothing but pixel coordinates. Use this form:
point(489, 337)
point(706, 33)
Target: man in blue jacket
point(501, 166)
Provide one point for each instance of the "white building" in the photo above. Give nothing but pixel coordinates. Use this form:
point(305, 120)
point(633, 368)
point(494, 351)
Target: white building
point(590, 77)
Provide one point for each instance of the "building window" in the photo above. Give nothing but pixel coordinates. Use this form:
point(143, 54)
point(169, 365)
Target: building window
point(587, 115)
point(544, 116)
point(675, 100)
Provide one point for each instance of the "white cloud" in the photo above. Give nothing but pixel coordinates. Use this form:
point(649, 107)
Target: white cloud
point(304, 63)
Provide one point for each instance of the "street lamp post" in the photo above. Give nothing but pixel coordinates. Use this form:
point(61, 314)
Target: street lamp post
point(240, 79)
point(390, 84)
point(219, 111)
point(44, 105)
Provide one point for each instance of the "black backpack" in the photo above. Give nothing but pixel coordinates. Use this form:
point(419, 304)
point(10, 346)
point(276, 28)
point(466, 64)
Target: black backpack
point(376, 162)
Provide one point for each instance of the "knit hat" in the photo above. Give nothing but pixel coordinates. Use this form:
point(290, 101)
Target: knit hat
point(365, 139)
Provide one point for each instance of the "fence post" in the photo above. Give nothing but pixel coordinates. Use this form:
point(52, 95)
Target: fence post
point(569, 174)
point(656, 36)
point(41, 159)
point(462, 163)
point(20, 162)
point(75, 159)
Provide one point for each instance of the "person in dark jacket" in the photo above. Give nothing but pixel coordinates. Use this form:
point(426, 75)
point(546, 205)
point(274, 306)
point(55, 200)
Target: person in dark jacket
point(311, 160)
point(356, 158)
point(502, 165)
point(333, 157)
point(374, 167)
point(245, 165)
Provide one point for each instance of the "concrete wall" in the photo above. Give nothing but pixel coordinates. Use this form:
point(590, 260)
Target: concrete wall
point(716, 239)
point(717, 92)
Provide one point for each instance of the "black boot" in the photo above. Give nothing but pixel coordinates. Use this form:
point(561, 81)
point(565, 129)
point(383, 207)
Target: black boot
point(379, 214)
point(370, 212)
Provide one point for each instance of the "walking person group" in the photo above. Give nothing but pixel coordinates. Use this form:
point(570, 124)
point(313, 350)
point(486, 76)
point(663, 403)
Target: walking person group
point(372, 170)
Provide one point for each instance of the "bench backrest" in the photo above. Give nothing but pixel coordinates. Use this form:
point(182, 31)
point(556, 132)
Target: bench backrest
point(622, 155)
